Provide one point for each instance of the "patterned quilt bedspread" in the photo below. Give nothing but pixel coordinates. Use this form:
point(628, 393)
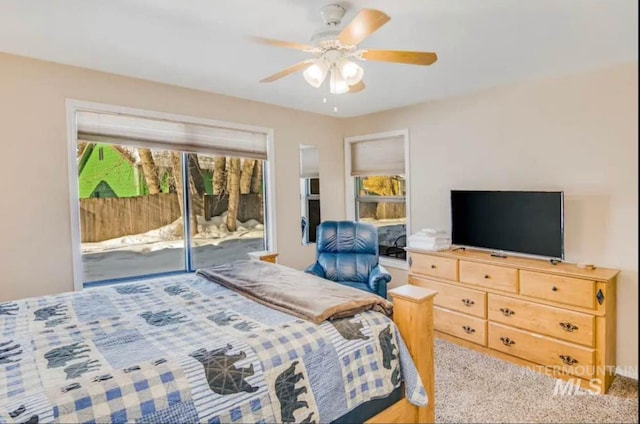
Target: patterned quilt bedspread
point(183, 349)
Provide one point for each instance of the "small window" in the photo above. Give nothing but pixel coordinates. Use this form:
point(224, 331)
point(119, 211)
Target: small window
point(381, 201)
point(376, 168)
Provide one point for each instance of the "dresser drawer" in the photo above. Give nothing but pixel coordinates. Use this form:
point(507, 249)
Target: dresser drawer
point(490, 276)
point(450, 296)
point(434, 266)
point(555, 288)
point(460, 325)
point(571, 326)
point(570, 358)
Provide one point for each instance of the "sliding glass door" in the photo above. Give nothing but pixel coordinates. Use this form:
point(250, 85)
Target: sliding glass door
point(226, 208)
point(130, 212)
point(133, 203)
point(159, 197)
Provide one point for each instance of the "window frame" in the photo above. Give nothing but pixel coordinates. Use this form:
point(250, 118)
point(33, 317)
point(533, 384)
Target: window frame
point(351, 203)
point(305, 197)
point(73, 106)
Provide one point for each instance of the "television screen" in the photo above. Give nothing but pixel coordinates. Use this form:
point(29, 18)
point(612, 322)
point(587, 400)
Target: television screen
point(529, 222)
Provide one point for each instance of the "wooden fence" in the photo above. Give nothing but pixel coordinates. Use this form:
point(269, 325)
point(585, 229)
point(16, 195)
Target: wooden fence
point(103, 219)
point(382, 210)
point(250, 206)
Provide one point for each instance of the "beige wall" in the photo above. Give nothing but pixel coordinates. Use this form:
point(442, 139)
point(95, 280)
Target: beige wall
point(35, 243)
point(578, 134)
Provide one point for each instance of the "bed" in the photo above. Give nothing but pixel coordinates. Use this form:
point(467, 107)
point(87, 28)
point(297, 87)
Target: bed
point(186, 349)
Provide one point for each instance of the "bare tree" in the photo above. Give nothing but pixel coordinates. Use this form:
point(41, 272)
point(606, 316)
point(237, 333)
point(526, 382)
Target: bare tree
point(150, 170)
point(385, 186)
point(80, 148)
point(245, 175)
point(176, 172)
point(219, 175)
point(196, 185)
point(256, 178)
point(83, 156)
point(233, 188)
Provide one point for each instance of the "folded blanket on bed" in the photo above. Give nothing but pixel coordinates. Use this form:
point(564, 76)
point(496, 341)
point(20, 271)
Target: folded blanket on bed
point(294, 292)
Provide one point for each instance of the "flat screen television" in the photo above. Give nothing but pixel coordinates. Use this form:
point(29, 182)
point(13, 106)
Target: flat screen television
point(525, 222)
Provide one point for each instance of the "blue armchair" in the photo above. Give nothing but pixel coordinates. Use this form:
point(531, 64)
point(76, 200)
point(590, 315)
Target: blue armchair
point(347, 253)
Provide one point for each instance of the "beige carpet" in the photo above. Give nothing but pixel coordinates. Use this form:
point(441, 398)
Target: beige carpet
point(475, 388)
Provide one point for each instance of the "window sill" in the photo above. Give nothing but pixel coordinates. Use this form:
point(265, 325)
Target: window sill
point(393, 263)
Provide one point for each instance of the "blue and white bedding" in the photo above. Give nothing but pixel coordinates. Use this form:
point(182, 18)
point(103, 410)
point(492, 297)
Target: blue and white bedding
point(184, 349)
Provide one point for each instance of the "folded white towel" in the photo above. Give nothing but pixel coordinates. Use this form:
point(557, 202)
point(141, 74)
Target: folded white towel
point(431, 232)
point(429, 239)
point(419, 237)
point(429, 246)
point(421, 243)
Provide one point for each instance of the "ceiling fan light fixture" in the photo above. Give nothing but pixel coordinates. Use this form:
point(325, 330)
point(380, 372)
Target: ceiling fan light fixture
point(351, 71)
point(316, 73)
point(335, 51)
point(337, 84)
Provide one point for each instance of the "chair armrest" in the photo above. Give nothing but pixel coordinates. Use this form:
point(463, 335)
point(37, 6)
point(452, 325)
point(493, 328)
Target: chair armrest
point(316, 270)
point(378, 279)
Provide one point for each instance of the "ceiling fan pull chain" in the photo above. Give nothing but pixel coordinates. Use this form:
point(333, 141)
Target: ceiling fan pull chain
point(325, 84)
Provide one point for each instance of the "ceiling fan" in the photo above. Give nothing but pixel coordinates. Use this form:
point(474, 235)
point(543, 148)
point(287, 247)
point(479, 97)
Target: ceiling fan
point(333, 50)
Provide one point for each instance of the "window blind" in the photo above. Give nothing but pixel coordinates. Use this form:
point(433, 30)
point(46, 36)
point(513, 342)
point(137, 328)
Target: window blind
point(383, 156)
point(309, 162)
point(155, 133)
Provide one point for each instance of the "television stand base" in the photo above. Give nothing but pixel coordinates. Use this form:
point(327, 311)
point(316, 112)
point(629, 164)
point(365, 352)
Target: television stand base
point(555, 261)
point(455, 249)
point(498, 255)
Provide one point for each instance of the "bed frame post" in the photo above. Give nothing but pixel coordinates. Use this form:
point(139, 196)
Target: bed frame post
point(413, 314)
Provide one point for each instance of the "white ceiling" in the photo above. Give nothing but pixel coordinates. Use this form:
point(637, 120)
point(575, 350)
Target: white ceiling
point(201, 43)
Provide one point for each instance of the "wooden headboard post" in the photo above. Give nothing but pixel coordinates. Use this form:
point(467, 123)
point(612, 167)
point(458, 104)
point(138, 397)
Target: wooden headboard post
point(413, 314)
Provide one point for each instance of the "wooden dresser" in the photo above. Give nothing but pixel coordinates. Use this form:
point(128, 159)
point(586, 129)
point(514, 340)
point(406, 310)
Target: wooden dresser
point(556, 319)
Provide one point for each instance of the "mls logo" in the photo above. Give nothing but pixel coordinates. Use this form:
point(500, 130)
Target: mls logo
point(571, 387)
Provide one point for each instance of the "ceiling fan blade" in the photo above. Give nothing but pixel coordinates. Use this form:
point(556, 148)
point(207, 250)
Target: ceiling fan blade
point(398, 56)
point(366, 22)
point(278, 43)
point(290, 70)
point(356, 87)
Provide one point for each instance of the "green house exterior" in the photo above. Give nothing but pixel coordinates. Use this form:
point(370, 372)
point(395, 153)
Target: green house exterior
point(104, 171)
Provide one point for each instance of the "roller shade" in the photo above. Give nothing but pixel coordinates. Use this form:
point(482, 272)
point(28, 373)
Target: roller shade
point(155, 133)
point(383, 156)
point(309, 162)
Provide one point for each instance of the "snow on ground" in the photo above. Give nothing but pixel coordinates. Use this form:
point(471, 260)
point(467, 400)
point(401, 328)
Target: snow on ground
point(162, 250)
point(212, 232)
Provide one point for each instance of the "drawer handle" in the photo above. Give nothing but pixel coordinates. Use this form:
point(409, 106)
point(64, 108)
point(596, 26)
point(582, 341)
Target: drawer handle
point(468, 302)
point(506, 312)
point(468, 329)
point(486, 276)
point(433, 267)
point(507, 341)
point(568, 359)
point(567, 326)
point(554, 288)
